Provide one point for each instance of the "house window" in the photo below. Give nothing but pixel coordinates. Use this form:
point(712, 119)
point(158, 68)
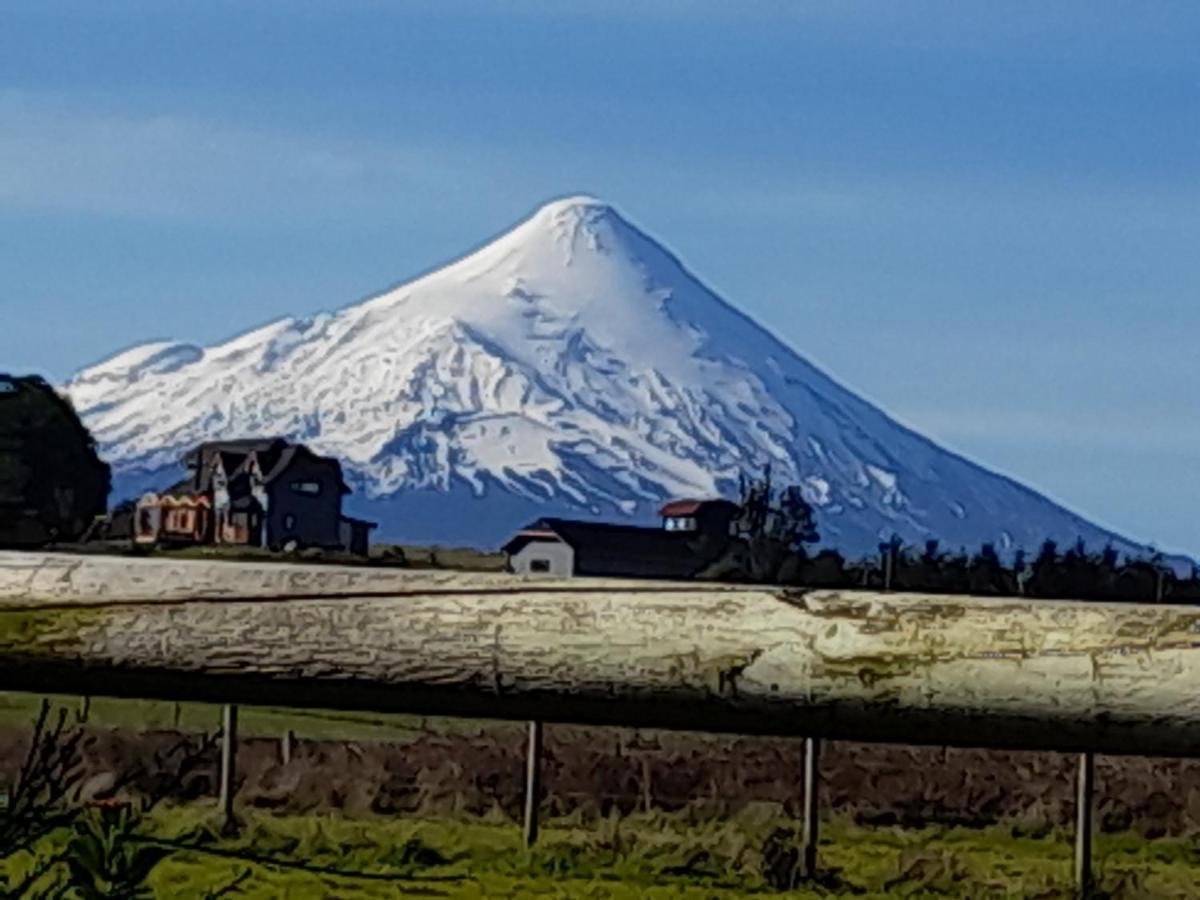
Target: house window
point(289, 521)
point(681, 523)
point(539, 565)
point(177, 520)
point(311, 488)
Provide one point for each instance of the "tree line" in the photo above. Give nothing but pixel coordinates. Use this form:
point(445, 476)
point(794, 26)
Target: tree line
point(772, 536)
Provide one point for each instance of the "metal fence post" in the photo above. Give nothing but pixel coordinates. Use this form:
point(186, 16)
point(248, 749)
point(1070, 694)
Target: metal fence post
point(1084, 786)
point(811, 825)
point(229, 714)
point(533, 782)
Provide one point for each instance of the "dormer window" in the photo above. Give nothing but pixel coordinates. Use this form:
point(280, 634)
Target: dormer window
point(679, 523)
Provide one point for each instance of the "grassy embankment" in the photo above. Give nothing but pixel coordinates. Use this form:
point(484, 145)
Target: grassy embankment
point(639, 856)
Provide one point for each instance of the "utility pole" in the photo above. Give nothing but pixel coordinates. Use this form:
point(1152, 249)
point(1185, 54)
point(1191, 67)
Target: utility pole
point(888, 551)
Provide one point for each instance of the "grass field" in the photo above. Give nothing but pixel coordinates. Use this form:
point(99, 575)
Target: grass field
point(18, 710)
point(638, 856)
point(655, 855)
point(467, 559)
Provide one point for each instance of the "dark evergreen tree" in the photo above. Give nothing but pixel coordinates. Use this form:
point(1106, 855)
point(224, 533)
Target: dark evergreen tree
point(52, 483)
point(769, 534)
point(987, 575)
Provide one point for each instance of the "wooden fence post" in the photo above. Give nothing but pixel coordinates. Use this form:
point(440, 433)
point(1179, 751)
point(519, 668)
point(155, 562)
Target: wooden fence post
point(229, 714)
point(1083, 825)
point(533, 782)
point(811, 825)
point(286, 746)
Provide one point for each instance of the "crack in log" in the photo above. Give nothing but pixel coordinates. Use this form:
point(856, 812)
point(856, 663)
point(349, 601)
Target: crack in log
point(32, 604)
point(727, 676)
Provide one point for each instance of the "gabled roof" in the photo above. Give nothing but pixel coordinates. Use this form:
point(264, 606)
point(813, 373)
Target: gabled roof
point(238, 448)
point(273, 457)
point(602, 548)
point(178, 489)
point(275, 465)
point(528, 535)
point(179, 494)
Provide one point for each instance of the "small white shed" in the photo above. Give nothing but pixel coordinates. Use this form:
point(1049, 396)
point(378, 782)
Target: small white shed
point(540, 552)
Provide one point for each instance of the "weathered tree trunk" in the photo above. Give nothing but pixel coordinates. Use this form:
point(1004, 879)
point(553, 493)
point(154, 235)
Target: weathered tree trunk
point(852, 665)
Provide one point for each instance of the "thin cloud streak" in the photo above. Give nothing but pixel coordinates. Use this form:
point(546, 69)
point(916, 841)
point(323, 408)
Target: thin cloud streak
point(188, 169)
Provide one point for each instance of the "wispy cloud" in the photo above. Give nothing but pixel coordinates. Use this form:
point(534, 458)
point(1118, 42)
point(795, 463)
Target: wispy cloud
point(1001, 198)
point(61, 157)
point(1089, 430)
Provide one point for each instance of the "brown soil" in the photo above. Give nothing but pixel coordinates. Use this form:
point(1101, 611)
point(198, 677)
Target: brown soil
point(598, 771)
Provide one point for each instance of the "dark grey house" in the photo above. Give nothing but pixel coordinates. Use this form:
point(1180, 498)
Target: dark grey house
point(694, 533)
point(261, 492)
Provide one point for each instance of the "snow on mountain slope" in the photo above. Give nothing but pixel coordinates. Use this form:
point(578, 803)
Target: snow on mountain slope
point(570, 366)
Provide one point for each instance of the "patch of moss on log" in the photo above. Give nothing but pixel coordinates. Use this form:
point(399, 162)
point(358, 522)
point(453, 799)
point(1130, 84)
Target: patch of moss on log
point(50, 632)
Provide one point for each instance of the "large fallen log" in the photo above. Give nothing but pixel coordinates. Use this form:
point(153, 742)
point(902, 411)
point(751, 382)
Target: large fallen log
point(851, 665)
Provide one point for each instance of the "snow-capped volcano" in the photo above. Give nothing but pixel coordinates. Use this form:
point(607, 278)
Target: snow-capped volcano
point(571, 366)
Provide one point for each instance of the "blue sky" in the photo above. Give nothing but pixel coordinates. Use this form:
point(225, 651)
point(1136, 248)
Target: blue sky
point(983, 217)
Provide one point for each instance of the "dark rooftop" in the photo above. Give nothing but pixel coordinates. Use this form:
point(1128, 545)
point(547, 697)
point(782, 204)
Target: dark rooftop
point(690, 507)
point(602, 548)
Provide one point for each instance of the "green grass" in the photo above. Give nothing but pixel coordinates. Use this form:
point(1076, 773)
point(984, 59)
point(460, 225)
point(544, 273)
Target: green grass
point(469, 559)
point(641, 856)
point(657, 855)
point(416, 557)
point(18, 710)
